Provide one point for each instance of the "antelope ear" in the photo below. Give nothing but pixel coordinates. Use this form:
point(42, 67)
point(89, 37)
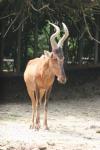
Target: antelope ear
point(47, 53)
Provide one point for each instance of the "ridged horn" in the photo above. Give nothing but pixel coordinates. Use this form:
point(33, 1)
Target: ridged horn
point(66, 34)
point(54, 44)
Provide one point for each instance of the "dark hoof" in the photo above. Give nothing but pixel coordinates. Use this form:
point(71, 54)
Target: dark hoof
point(37, 126)
point(46, 128)
point(31, 126)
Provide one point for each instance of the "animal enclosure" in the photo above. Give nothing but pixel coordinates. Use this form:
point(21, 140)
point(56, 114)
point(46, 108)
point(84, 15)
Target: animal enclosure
point(73, 116)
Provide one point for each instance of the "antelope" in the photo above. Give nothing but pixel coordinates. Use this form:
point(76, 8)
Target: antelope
point(41, 72)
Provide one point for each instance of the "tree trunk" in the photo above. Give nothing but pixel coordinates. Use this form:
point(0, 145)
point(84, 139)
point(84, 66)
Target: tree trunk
point(96, 45)
point(65, 50)
point(35, 37)
point(80, 51)
point(2, 46)
point(18, 65)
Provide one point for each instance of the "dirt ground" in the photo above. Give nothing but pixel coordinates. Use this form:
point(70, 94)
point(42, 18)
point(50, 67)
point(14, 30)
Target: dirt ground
point(73, 119)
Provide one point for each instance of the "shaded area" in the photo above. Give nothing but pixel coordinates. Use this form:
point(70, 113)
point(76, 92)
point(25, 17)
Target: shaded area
point(81, 83)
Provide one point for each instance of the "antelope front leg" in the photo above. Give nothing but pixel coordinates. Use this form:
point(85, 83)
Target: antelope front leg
point(33, 114)
point(37, 126)
point(47, 94)
point(45, 115)
point(31, 94)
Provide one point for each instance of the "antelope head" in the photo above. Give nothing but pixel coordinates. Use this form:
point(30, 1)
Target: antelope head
point(57, 56)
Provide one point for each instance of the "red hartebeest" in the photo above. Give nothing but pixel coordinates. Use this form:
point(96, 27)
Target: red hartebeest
point(40, 73)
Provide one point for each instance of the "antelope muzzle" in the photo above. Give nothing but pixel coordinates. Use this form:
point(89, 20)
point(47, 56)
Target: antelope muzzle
point(62, 77)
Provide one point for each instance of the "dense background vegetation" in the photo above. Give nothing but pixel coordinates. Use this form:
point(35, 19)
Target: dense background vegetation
point(25, 32)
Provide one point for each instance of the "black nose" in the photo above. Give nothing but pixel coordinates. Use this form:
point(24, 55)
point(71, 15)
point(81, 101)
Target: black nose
point(62, 80)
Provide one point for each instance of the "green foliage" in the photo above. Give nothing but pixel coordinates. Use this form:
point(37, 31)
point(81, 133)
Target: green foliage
point(81, 17)
point(72, 49)
point(43, 41)
point(30, 52)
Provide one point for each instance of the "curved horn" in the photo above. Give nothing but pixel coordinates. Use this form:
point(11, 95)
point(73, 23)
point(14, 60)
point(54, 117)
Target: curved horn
point(54, 44)
point(61, 41)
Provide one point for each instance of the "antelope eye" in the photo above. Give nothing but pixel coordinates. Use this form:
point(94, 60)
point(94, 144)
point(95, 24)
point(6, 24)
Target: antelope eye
point(55, 58)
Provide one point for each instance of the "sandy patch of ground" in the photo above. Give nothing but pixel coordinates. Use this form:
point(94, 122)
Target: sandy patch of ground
point(74, 125)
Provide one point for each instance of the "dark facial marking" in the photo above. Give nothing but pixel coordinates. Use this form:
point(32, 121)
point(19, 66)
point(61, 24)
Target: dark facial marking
point(58, 52)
